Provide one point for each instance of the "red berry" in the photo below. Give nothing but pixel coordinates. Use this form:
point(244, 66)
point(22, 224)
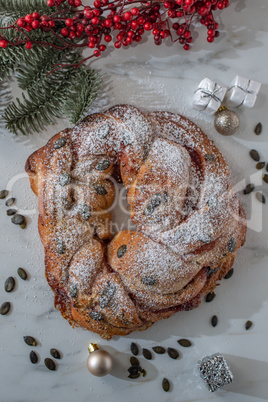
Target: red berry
point(91, 45)
point(35, 15)
point(64, 32)
point(21, 22)
point(35, 24)
point(28, 45)
point(72, 35)
point(51, 24)
point(97, 3)
point(95, 21)
point(102, 48)
point(117, 25)
point(188, 2)
point(134, 24)
point(202, 11)
point(80, 28)
point(186, 47)
point(50, 3)
point(141, 20)
point(69, 22)
point(29, 18)
point(135, 11)
point(187, 34)
point(88, 13)
point(211, 32)
point(108, 23)
point(77, 3)
point(127, 16)
point(117, 18)
point(117, 45)
point(28, 28)
point(107, 38)
point(3, 43)
point(147, 26)
point(210, 39)
point(97, 53)
point(137, 38)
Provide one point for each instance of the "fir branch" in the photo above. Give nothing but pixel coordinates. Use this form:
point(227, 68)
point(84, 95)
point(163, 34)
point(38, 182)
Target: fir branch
point(18, 8)
point(82, 91)
point(37, 69)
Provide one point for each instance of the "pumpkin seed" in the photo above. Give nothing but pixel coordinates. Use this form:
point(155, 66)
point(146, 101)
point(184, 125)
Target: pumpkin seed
point(249, 188)
point(134, 349)
point(95, 315)
point(260, 165)
point(55, 353)
point(73, 291)
point(210, 296)
point(30, 340)
point(100, 190)
point(134, 375)
point(11, 212)
point(33, 357)
point(60, 246)
point(209, 157)
point(185, 342)
point(254, 155)
point(5, 307)
point(143, 372)
point(18, 219)
point(85, 211)
point(248, 324)
point(205, 238)
point(260, 197)
point(229, 274)
point(165, 384)
point(3, 194)
point(147, 354)
point(23, 225)
point(173, 353)
point(258, 129)
point(148, 281)
point(107, 295)
point(134, 361)
point(103, 165)
point(159, 350)
point(121, 251)
point(60, 142)
point(22, 273)
point(231, 245)
point(9, 284)
point(265, 178)
point(49, 363)
point(103, 130)
point(214, 321)
point(64, 179)
point(152, 205)
point(10, 202)
point(134, 369)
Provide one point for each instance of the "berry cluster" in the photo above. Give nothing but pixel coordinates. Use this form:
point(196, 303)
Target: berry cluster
point(119, 21)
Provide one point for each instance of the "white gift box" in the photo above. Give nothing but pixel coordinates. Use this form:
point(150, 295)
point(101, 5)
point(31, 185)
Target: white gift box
point(242, 92)
point(208, 96)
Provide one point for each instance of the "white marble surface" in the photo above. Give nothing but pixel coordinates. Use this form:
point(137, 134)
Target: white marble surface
point(163, 78)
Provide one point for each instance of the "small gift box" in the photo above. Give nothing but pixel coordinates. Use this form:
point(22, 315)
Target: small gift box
point(215, 372)
point(242, 92)
point(208, 96)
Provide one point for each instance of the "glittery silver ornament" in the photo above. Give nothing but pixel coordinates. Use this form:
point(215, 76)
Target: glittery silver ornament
point(226, 122)
point(215, 371)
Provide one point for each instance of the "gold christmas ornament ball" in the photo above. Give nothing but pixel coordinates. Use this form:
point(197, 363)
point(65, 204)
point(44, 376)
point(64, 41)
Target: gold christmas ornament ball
point(226, 122)
point(99, 362)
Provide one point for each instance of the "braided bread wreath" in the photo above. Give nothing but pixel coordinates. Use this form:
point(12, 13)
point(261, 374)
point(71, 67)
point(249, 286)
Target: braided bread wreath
point(189, 223)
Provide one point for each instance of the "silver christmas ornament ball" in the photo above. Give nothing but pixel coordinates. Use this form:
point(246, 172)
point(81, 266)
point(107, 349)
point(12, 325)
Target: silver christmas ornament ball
point(226, 122)
point(99, 362)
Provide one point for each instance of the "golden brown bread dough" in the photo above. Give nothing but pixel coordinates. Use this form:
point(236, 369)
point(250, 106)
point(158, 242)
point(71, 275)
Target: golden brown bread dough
point(189, 223)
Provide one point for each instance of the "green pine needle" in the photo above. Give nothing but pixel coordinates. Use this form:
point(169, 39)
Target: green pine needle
point(84, 89)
